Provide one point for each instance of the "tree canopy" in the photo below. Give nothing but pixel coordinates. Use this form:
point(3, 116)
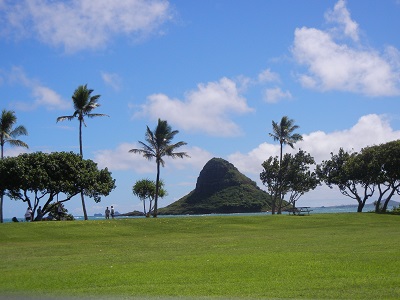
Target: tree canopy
point(375, 169)
point(145, 189)
point(293, 177)
point(9, 134)
point(46, 177)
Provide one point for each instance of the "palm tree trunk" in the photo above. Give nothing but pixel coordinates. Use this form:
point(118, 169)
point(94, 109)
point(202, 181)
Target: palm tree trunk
point(81, 153)
point(157, 188)
point(80, 138)
point(280, 182)
point(84, 206)
point(1, 207)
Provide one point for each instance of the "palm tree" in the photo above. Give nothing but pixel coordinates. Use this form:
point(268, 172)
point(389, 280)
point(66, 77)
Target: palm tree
point(84, 104)
point(8, 135)
point(159, 145)
point(283, 132)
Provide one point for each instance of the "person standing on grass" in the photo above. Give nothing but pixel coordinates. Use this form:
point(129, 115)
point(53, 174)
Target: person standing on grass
point(28, 214)
point(107, 212)
point(60, 211)
point(39, 214)
point(112, 212)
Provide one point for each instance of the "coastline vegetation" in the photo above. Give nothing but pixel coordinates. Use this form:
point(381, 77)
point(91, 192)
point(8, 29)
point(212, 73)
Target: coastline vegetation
point(321, 256)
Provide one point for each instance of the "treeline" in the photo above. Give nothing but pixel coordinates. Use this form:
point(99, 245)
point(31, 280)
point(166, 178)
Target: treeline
point(372, 173)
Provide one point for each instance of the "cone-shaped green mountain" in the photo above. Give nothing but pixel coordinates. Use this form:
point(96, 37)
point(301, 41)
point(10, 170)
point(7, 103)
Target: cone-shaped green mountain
point(221, 188)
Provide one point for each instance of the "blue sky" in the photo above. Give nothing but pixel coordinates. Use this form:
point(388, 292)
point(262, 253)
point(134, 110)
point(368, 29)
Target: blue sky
point(218, 71)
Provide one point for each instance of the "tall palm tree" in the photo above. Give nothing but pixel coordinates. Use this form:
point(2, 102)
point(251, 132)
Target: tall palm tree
point(8, 135)
point(159, 145)
point(84, 104)
point(283, 132)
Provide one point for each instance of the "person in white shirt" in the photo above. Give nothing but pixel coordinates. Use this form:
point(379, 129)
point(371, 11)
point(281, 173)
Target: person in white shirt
point(28, 214)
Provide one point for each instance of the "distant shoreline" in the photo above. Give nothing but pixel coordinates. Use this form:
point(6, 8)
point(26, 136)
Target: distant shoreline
point(316, 210)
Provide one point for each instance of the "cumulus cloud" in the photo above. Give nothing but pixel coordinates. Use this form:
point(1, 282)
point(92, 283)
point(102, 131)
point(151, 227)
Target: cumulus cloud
point(83, 24)
point(339, 66)
point(207, 109)
point(341, 16)
point(43, 96)
point(273, 95)
point(369, 130)
point(120, 159)
point(112, 79)
point(268, 76)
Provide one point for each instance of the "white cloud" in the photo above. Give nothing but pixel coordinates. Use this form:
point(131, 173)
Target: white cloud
point(273, 95)
point(335, 66)
point(341, 16)
point(206, 109)
point(83, 24)
point(268, 76)
point(48, 98)
point(112, 79)
point(43, 96)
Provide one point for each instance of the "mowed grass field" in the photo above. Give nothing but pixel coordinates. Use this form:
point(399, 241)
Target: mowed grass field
point(321, 256)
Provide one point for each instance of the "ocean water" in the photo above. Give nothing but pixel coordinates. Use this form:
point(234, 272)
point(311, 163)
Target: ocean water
point(315, 210)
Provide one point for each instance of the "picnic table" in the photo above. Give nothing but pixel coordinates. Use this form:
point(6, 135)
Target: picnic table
point(300, 211)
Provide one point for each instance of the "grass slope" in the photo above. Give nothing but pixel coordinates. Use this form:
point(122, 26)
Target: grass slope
point(325, 256)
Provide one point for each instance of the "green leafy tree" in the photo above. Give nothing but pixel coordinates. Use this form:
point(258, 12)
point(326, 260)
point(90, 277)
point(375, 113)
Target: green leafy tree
point(383, 165)
point(84, 104)
point(146, 189)
point(390, 169)
point(298, 176)
point(283, 132)
point(270, 178)
point(41, 178)
point(9, 134)
point(292, 176)
point(351, 174)
point(159, 144)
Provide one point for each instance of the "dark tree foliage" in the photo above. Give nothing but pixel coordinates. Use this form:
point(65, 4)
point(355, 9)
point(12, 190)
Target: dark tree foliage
point(270, 178)
point(55, 176)
point(8, 135)
point(383, 165)
point(351, 174)
point(145, 189)
point(299, 177)
point(293, 178)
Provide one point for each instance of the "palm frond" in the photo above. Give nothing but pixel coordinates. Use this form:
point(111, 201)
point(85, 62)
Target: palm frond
point(96, 115)
point(19, 130)
point(63, 118)
point(18, 143)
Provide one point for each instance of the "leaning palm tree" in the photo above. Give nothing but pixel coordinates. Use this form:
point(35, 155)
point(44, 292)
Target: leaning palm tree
point(84, 104)
point(159, 145)
point(8, 135)
point(283, 132)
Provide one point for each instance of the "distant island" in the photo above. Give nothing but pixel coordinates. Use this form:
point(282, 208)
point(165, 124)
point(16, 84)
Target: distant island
point(220, 188)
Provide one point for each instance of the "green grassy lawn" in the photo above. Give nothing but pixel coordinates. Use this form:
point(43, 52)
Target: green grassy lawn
point(321, 256)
